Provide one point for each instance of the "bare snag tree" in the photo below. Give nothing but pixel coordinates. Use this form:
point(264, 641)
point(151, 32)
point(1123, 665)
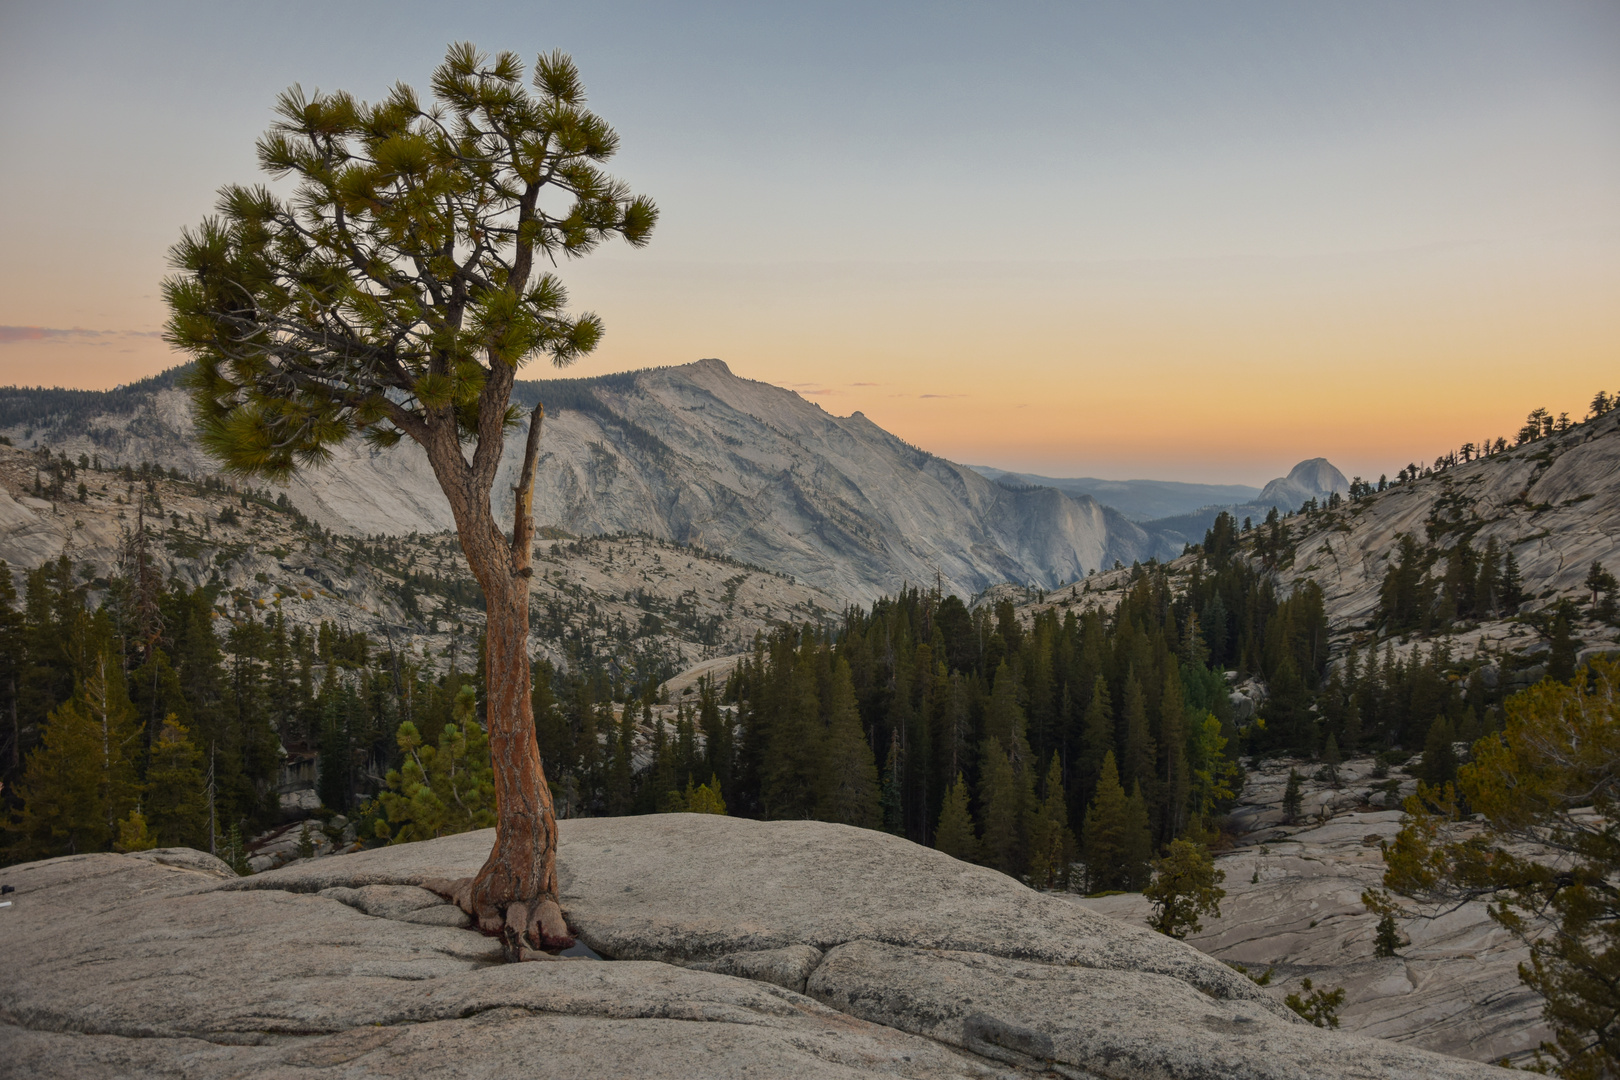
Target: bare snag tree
point(394, 294)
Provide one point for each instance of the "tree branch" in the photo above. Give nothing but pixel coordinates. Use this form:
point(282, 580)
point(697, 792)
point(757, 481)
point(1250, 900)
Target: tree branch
point(523, 510)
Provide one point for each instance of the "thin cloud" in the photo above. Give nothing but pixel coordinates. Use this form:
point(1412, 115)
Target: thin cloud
point(941, 395)
point(866, 384)
point(11, 335)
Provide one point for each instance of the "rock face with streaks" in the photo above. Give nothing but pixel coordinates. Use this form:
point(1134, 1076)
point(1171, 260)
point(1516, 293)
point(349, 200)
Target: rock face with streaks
point(690, 454)
point(734, 948)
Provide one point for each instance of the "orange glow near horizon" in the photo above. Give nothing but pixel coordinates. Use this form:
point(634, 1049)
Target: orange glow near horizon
point(1212, 370)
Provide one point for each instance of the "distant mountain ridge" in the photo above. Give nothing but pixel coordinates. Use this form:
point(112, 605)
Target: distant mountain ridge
point(690, 454)
point(1139, 500)
point(1189, 515)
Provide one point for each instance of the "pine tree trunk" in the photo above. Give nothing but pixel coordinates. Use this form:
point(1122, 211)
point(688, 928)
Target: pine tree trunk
point(515, 893)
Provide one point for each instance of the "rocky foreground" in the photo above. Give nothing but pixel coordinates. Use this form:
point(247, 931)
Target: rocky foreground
point(736, 948)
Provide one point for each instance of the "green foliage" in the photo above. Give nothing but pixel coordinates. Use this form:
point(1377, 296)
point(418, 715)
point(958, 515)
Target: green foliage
point(1185, 886)
point(1115, 838)
point(1545, 790)
point(1262, 979)
point(176, 803)
point(1215, 777)
point(1603, 586)
point(1387, 940)
point(1003, 800)
point(847, 782)
point(81, 780)
point(133, 834)
point(1292, 801)
point(1439, 765)
point(444, 790)
point(954, 834)
point(1561, 656)
point(386, 294)
point(702, 799)
point(1320, 1007)
point(1331, 760)
point(1051, 841)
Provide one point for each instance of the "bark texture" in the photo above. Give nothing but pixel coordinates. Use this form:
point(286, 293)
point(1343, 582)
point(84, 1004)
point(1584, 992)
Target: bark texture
point(514, 895)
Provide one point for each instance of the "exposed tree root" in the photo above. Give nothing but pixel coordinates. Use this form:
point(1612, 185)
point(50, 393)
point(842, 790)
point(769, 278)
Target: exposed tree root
point(522, 925)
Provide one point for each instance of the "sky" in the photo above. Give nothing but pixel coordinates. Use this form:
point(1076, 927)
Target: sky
point(1197, 241)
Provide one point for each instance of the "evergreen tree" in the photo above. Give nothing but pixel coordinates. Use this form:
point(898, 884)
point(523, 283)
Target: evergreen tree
point(1599, 582)
point(1550, 773)
point(16, 729)
point(1331, 759)
point(795, 759)
point(1114, 834)
point(1098, 738)
point(1004, 719)
point(279, 284)
point(1214, 777)
point(1292, 801)
point(176, 803)
point(889, 798)
point(1509, 588)
point(660, 780)
point(1387, 940)
point(1140, 754)
point(847, 787)
point(1173, 732)
point(1487, 590)
point(1001, 808)
point(133, 834)
point(1439, 764)
point(955, 836)
point(1051, 842)
point(621, 773)
point(718, 748)
point(701, 799)
point(335, 784)
point(81, 780)
point(1138, 840)
point(1185, 886)
point(1561, 657)
point(234, 853)
point(443, 790)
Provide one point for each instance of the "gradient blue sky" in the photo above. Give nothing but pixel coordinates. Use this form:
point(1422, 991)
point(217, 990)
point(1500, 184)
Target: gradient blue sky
point(1187, 240)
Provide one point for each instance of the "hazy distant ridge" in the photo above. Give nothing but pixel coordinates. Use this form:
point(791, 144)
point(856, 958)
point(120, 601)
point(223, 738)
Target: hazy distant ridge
point(1139, 500)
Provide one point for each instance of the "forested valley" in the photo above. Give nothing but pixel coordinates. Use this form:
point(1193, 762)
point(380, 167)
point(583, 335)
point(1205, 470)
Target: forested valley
point(1091, 738)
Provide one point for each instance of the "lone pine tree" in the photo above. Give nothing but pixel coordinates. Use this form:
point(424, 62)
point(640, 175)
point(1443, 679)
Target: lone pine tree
point(394, 295)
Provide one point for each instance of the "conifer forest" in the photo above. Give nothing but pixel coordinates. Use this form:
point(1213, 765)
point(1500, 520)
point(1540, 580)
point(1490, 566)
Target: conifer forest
point(1082, 739)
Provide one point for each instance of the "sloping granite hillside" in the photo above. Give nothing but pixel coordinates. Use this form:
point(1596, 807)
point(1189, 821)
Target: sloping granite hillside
point(1553, 503)
point(691, 454)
